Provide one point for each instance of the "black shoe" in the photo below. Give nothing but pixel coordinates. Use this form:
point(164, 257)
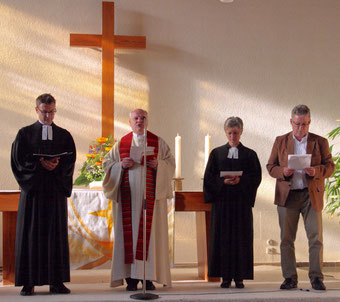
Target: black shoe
point(239, 283)
point(27, 291)
point(317, 284)
point(131, 287)
point(225, 283)
point(149, 285)
point(131, 284)
point(59, 289)
point(289, 283)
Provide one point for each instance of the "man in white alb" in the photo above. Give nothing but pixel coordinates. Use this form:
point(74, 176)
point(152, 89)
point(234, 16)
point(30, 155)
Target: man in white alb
point(124, 183)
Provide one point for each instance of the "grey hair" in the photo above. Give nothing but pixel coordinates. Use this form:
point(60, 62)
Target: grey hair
point(301, 110)
point(144, 112)
point(233, 121)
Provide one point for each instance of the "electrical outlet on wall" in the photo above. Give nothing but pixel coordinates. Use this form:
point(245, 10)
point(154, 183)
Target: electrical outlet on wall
point(271, 251)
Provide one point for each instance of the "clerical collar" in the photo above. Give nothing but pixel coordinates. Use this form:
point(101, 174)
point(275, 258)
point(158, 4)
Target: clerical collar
point(138, 135)
point(233, 152)
point(46, 132)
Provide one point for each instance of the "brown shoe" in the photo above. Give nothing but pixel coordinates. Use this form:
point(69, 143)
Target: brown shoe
point(289, 283)
point(317, 284)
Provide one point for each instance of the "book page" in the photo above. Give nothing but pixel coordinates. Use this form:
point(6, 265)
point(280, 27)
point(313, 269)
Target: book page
point(231, 173)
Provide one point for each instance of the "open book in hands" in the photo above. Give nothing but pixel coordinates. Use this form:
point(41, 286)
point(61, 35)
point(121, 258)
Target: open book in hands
point(52, 155)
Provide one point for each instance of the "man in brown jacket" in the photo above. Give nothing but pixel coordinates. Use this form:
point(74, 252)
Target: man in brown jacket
point(300, 191)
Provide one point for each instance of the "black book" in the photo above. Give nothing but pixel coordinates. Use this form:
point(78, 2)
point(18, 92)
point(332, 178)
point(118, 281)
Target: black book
point(52, 155)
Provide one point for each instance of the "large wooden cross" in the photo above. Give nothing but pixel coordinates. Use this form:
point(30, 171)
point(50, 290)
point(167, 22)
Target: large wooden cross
point(108, 42)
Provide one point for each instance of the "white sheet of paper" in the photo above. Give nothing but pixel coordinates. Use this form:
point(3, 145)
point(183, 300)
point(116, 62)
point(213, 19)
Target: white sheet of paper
point(231, 173)
point(299, 161)
point(136, 153)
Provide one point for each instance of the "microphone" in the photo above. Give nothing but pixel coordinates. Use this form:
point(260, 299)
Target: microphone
point(143, 117)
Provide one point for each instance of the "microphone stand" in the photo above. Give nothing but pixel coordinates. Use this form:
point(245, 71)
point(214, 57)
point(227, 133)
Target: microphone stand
point(144, 295)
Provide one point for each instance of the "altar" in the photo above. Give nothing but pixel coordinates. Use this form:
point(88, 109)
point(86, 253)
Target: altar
point(91, 228)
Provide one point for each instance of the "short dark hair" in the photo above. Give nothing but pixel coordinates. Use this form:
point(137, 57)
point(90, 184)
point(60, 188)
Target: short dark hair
point(45, 98)
point(301, 110)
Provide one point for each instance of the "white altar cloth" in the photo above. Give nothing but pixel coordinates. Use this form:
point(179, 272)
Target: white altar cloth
point(91, 229)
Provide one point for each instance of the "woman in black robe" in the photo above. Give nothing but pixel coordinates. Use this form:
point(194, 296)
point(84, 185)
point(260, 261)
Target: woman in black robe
point(41, 247)
point(232, 199)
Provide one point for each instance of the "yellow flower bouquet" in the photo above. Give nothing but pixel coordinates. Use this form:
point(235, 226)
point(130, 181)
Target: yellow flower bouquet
point(92, 169)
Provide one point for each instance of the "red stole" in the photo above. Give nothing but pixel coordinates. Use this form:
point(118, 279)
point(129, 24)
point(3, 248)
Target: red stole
point(124, 151)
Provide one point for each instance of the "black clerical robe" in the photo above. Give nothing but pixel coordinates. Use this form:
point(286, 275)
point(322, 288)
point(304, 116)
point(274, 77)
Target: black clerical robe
point(231, 228)
point(41, 247)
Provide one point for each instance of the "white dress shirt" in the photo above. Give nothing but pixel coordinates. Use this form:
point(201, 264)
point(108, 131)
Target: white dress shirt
point(299, 180)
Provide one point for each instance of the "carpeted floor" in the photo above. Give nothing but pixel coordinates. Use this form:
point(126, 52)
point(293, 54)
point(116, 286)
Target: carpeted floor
point(93, 286)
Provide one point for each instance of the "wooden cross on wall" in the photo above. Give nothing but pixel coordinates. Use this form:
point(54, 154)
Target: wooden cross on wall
point(108, 42)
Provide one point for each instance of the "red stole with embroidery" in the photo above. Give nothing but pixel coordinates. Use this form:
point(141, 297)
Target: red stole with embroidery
point(124, 151)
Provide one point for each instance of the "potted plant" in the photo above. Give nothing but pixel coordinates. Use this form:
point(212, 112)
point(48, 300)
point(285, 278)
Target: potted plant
point(92, 169)
point(332, 186)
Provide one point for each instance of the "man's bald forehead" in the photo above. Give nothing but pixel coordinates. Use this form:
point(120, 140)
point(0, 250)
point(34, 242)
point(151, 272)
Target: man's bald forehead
point(138, 111)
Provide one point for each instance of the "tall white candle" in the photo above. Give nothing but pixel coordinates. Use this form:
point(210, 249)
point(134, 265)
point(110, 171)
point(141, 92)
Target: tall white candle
point(178, 156)
point(206, 148)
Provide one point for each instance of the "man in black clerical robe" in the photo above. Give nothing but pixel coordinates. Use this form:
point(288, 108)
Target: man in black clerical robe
point(41, 248)
point(231, 228)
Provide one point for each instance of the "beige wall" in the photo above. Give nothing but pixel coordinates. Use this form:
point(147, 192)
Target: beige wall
point(204, 61)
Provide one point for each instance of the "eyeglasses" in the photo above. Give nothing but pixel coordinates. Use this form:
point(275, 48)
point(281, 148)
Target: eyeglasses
point(52, 112)
point(303, 125)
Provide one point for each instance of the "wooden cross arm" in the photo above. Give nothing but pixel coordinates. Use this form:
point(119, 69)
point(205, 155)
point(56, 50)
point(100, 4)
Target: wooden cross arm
point(126, 42)
point(82, 40)
point(133, 42)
